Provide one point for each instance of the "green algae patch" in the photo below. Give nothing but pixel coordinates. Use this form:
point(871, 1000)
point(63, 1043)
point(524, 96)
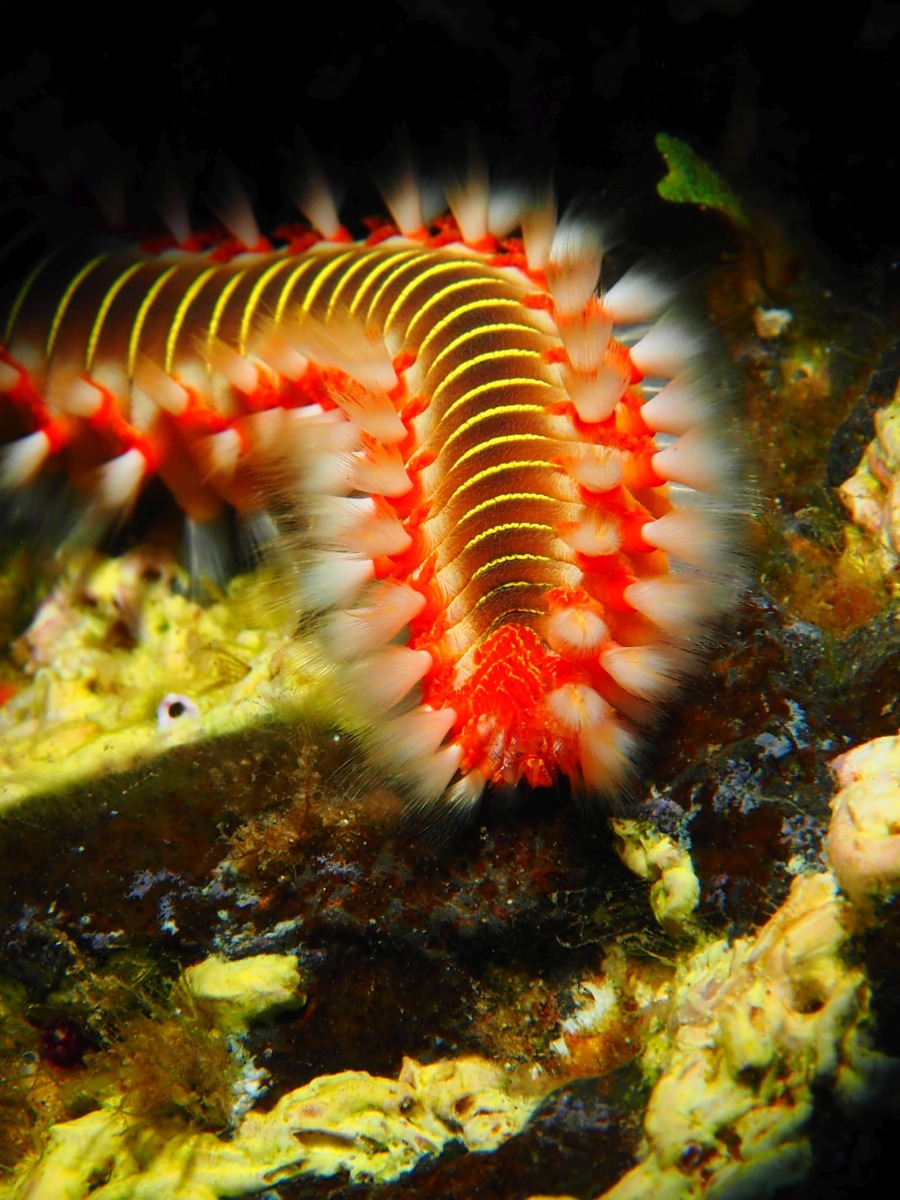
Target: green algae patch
point(691, 180)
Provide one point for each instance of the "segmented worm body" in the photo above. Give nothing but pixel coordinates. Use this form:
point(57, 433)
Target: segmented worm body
point(513, 496)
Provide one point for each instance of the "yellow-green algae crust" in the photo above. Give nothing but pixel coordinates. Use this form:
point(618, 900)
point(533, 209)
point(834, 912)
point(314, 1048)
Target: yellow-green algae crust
point(111, 641)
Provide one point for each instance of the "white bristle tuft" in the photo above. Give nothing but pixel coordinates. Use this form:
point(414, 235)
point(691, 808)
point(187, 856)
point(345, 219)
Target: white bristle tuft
point(461, 799)
point(666, 349)
point(21, 460)
point(636, 297)
point(334, 579)
point(276, 352)
point(221, 453)
point(607, 756)
point(681, 405)
point(586, 341)
point(172, 205)
point(76, 396)
point(207, 551)
point(576, 707)
point(414, 735)
point(380, 471)
point(573, 268)
point(697, 460)
point(696, 537)
point(346, 345)
point(314, 198)
point(595, 396)
point(649, 672)
point(372, 412)
point(595, 535)
point(468, 200)
point(238, 370)
point(165, 392)
point(389, 606)
point(538, 228)
point(427, 779)
point(118, 481)
point(404, 203)
point(357, 526)
point(9, 377)
point(505, 208)
point(599, 468)
point(676, 603)
point(234, 210)
point(576, 630)
point(387, 677)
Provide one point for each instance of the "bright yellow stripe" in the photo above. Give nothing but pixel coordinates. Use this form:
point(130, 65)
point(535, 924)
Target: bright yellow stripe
point(483, 416)
point(490, 356)
point(299, 271)
point(474, 305)
point(322, 278)
point(492, 386)
point(25, 289)
point(497, 327)
point(67, 299)
point(424, 277)
point(219, 308)
point(392, 267)
point(362, 265)
point(253, 300)
point(509, 527)
point(498, 469)
point(181, 312)
point(103, 311)
point(513, 583)
point(508, 558)
point(459, 286)
point(141, 317)
point(505, 440)
point(487, 505)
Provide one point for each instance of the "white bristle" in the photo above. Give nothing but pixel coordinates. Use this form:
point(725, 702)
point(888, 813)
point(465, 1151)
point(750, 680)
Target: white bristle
point(334, 579)
point(650, 672)
point(358, 526)
point(76, 396)
point(21, 460)
point(388, 676)
point(221, 453)
point(697, 460)
point(165, 392)
point(573, 268)
point(468, 202)
point(414, 735)
point(694, 536)
point(586, 341)
point(576, 707)
point(427, 779)
point(665, 350)
point(9, 377)
point(371, 411)
point(599, 469)
point(404, 203)
point(465, 793)
point(577, 630)
point(678, 407)
point(595, 396)
point(635, 297)
point(276, 351)
point(118, 481)
point(238, 370)
point(317, 203)
point(505, 209)
point(538, 228)
point(234, 210)
point(676, 603)
point(607, 753)
point(595, 534)
point(389, 606)
point(346, 345)
point(380, 471)
point(172, 206)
